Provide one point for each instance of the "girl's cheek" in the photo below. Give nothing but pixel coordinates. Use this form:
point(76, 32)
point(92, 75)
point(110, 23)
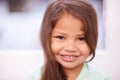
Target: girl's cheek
point(55, 47)
point(85, 48)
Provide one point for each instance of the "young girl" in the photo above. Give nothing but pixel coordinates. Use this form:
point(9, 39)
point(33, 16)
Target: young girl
point(69, 34)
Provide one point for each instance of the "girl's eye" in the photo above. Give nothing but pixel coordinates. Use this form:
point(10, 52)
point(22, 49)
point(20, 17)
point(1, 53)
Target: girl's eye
point(81, 38)
point(59, 37)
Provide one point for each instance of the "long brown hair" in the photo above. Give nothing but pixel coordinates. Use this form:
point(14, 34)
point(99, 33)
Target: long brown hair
point(80, 9)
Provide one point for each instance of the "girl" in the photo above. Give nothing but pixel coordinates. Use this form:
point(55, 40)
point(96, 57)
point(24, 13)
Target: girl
point(69, 34)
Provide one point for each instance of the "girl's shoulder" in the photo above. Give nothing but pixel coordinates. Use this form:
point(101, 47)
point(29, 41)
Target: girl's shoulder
point(90, 73)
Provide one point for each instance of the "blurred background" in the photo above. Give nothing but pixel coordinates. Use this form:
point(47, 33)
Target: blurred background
point(20, 50)
point(20, 22)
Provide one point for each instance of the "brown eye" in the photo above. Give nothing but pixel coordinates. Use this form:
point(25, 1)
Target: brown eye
point(59, 37)
point(81, 38)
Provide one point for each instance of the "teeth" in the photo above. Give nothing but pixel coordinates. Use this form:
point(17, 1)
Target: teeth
point(69, 56)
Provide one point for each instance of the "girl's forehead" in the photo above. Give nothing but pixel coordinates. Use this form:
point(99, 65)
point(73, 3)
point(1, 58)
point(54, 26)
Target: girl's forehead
point(70, 24)
point(69, 19)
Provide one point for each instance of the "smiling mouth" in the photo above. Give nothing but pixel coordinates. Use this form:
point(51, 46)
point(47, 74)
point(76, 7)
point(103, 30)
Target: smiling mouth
point(69, 58)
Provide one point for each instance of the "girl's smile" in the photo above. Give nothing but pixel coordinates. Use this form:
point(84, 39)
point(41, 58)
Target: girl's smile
point(68, 58)
point(68, 42)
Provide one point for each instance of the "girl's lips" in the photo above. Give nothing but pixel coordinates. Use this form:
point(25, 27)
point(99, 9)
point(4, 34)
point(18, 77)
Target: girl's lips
point(69, 58)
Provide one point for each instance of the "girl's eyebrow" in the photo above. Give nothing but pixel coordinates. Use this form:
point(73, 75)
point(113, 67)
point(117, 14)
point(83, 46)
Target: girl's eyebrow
point(60, 33)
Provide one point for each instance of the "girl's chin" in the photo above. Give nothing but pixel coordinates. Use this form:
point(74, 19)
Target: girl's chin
point(71, 66)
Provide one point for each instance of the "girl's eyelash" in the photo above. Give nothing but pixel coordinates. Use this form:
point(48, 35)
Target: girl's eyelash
point(81, 38)
point(59, 37)
point(62, 37)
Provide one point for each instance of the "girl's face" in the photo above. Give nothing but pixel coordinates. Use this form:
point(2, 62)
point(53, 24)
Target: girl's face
point(68, 42)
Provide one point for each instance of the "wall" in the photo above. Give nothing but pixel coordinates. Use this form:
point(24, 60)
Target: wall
point(108, 60)
point(112, 17)
point(19, 64)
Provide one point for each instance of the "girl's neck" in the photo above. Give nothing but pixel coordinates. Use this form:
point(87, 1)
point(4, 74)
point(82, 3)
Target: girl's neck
point(73, 73)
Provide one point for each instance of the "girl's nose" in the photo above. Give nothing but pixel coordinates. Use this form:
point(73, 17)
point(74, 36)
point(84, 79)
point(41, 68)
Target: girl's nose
point(70, 46)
